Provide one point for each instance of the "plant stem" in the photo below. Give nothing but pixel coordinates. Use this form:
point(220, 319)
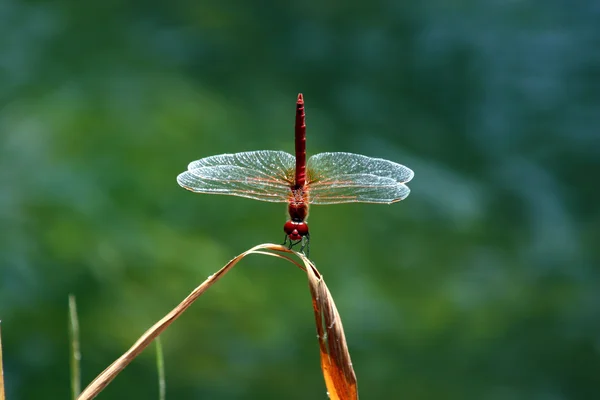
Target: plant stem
point(75, 351)
point(160, 366)
point(2, 395)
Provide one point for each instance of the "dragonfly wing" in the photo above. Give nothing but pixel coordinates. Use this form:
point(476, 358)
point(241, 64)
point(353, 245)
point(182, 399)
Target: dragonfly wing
point(350, 178)
point(261, 175)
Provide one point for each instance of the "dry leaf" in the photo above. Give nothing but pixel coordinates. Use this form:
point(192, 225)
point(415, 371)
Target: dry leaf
point(336, 364)
point(335, 359)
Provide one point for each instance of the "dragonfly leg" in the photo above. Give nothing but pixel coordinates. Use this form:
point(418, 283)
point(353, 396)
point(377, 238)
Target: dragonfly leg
point(291, 243)
point(305, 245)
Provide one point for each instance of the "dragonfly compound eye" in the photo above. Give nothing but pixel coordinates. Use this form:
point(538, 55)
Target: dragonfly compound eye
point(295, 230)
point(289, 227)
point(302, 228)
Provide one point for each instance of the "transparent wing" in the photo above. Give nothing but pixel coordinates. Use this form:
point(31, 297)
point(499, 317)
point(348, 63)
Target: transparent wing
point(261, 175)
point(349, 178)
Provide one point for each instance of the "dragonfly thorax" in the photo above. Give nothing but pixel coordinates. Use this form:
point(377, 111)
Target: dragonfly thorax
point(296, 230)
point(298, 205)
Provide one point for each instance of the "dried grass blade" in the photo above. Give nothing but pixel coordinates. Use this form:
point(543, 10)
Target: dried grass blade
point(106, 376)
point(336, 364)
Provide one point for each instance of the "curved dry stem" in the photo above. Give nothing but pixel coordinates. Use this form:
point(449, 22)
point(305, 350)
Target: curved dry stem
point(106, 376)
point(336, 364)
point(335, 359)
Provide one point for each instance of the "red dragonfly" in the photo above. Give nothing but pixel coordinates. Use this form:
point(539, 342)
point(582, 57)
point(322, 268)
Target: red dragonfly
point(277, 176)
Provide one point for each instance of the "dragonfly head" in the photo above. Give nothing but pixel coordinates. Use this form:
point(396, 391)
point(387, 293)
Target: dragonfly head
point(296, 230)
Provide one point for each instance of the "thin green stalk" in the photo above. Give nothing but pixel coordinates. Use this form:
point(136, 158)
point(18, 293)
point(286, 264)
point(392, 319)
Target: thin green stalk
point(75, 351)
point(160, 366)
point(2, 395)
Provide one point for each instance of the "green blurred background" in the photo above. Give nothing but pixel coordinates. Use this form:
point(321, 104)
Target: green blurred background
point(483, 284)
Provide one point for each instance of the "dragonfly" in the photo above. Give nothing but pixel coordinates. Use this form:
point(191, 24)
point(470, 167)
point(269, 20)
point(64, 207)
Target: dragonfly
point(279, 177)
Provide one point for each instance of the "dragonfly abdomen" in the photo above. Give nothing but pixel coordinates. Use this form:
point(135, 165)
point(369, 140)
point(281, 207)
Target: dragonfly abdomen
point(300, 128)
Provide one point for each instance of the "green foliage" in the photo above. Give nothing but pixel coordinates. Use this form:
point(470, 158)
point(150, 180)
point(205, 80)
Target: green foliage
point(481, 285)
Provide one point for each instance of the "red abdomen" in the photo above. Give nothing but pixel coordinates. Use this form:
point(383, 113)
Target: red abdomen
point(300, 144)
